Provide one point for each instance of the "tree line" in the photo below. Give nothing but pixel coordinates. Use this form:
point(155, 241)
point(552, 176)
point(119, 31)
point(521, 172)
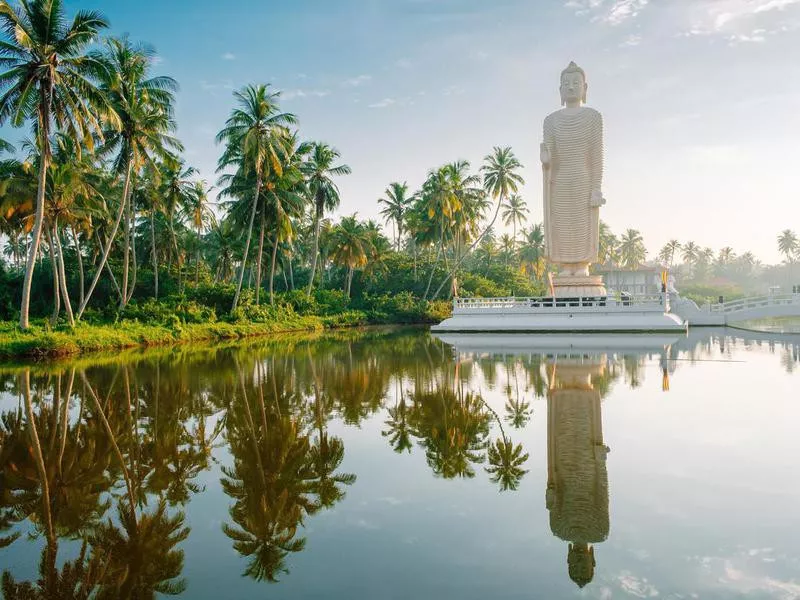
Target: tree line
point(100, 194)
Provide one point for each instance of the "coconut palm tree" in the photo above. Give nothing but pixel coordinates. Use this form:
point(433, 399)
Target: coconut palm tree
point(500, 179)
point(788, 244)
point(667, 253)
point(319, 170)
point(532, 252)
point(396, 200)
point(609, 246)
point(144, 105)
point(256, 137)
point(48, 79)
point(198, 211)
point(514, 213)
point(691, 253)
point(351, 247)
point(631, 249)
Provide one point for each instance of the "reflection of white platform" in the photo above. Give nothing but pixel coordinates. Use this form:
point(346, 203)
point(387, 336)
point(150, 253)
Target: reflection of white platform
point(542, 315)
point(553, 342)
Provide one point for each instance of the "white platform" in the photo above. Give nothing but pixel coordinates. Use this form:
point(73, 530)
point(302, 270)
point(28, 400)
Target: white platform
point(554, 315)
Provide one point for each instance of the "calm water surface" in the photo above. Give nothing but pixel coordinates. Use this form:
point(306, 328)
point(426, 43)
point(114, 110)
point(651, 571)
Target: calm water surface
point(392, 464)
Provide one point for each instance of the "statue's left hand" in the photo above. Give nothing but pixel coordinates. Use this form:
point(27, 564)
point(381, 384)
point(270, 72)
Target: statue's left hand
point(596, 200)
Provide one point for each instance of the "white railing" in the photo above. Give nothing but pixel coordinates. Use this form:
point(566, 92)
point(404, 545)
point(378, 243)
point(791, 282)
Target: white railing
point(549, 302)
point(756, 302)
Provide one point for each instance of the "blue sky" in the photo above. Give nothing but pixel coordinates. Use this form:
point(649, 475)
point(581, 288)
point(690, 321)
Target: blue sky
point(701, 98)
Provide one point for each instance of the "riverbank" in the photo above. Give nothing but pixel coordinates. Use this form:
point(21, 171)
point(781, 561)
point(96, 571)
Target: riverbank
point(44, 341)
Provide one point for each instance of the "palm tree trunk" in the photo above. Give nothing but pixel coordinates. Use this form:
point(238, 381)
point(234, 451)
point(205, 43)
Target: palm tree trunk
point(349, 280)
point(247, 243)
point(197, 260)
point(56, 286)
point(153, 249)
point(272, 266)
point(472, 246)
point(80, 263)
point(126, 250)
point(62, 276)
point(291, 273)
point(433, 268)
point(259, 257)
point(177, 253)
point(317, 224)
point(109, 241)
point(33, 251)
point(134, 262)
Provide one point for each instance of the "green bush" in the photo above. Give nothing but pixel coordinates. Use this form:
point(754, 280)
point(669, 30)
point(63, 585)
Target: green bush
point(331, 302)
point(301, 302)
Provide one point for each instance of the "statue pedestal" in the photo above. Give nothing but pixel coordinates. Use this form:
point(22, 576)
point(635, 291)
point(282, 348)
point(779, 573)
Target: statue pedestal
point(578, 286)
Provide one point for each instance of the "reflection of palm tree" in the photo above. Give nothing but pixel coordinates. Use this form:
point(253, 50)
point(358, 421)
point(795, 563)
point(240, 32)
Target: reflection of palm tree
point(506, 460)
point(141, 553)
point(518, 412)
point(398, 432)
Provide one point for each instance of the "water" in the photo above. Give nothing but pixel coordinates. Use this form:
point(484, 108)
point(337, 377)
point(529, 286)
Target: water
point(392, 464)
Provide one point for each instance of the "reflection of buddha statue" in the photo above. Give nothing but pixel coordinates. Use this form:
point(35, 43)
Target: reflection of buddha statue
point(577, 481)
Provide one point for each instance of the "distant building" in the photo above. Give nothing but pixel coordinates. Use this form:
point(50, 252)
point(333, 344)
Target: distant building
point(642, 281)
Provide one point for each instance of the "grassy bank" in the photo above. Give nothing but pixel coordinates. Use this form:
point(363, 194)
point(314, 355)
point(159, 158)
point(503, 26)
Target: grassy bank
point(169, 323)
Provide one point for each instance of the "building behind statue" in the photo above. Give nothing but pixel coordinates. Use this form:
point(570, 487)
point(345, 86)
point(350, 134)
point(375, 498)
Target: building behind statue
point(637, 282)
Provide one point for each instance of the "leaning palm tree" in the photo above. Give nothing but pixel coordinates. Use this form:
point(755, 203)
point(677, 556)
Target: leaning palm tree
point(145, 107)
point(319, 170)
point(48, 79)
point(255, 135)
point(514, 213)
point(396, 201)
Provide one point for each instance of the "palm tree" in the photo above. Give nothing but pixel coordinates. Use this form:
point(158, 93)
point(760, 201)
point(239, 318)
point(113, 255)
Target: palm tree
point(667, 253)
point(632, 250)
point(514, 213)
point(609, 246)
point(351, 247)
point(197, 210)
point(500, 179)
point(397, 203)
point(726, 255)
point(691, 253)
point(319, 171)
point(255, 135)
point(788, 244)
point(145, 107)
point(506, 248)
point(175, 192)
point(532, 252)
point(49, 79)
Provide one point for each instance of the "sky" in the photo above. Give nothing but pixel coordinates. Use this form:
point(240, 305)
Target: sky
point(700, 98)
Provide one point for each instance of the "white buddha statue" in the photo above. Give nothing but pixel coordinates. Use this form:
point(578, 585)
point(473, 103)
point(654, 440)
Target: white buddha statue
point(572, 167)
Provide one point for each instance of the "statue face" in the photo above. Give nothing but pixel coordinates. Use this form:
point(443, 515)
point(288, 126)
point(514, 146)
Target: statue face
point(573, 88)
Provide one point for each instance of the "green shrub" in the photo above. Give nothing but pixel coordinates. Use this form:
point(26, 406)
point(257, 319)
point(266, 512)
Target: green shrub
point(301, 302)
point(331, 301)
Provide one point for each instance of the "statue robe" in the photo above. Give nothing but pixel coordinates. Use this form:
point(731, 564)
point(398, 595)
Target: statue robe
point(572, 226)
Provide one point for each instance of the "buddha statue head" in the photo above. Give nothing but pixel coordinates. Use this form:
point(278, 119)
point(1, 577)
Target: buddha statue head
point(573, 86)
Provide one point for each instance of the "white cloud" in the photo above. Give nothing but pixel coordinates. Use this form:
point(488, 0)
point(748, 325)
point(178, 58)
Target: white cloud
point(156, 60)
point(299, 93)
point(403, 63)
point(633, 39)
point(229, 56)
point(385, 103)
point(635, 586)
point(613, 12)
point(356, 81)
point(739, 20)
